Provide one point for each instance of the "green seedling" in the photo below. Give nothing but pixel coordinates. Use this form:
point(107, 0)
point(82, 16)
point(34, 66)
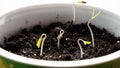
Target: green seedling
point(85, 43)
point(88, 24)
point(59, 37)
point(40, 42)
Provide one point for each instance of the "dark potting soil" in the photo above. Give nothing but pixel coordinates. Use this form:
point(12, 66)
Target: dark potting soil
point(24, 42)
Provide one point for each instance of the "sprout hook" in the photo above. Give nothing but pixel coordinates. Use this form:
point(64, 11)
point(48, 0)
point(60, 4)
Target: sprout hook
point(40, 42)
point(60, 36)
point(85, 43)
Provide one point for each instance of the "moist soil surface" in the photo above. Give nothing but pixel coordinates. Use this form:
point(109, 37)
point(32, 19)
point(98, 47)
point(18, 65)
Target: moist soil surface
point(24, 41)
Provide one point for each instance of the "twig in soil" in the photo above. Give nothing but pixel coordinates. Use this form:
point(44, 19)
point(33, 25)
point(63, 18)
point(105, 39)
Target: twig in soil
point(59, 37)
point(88, 24)
point(40, 42)
point(85, 43)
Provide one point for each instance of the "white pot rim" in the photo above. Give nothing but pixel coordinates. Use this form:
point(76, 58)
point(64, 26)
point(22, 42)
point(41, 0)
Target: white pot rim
point(46, 63)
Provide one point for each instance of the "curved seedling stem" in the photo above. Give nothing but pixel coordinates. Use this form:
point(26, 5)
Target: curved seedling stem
point(85, 43)
point(81, 50)
point(44, 36)
point(88, 24)
point(59, 37)
point(40, 42)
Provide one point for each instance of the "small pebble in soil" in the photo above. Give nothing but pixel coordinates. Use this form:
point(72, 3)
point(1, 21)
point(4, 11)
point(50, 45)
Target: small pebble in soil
point(118, 41)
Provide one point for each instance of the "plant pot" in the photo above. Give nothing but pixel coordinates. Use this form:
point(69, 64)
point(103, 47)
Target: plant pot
point(44, 15)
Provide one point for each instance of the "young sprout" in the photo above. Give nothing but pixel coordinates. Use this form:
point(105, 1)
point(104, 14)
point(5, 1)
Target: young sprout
point(60, 36)
point(88, 24)
point(40, 42)
point(85, 43)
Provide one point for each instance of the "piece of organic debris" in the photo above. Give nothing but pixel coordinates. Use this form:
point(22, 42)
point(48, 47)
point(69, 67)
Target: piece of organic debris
point(88, 24)
point(85, 43)
point(59, 37)
point(40, 42)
